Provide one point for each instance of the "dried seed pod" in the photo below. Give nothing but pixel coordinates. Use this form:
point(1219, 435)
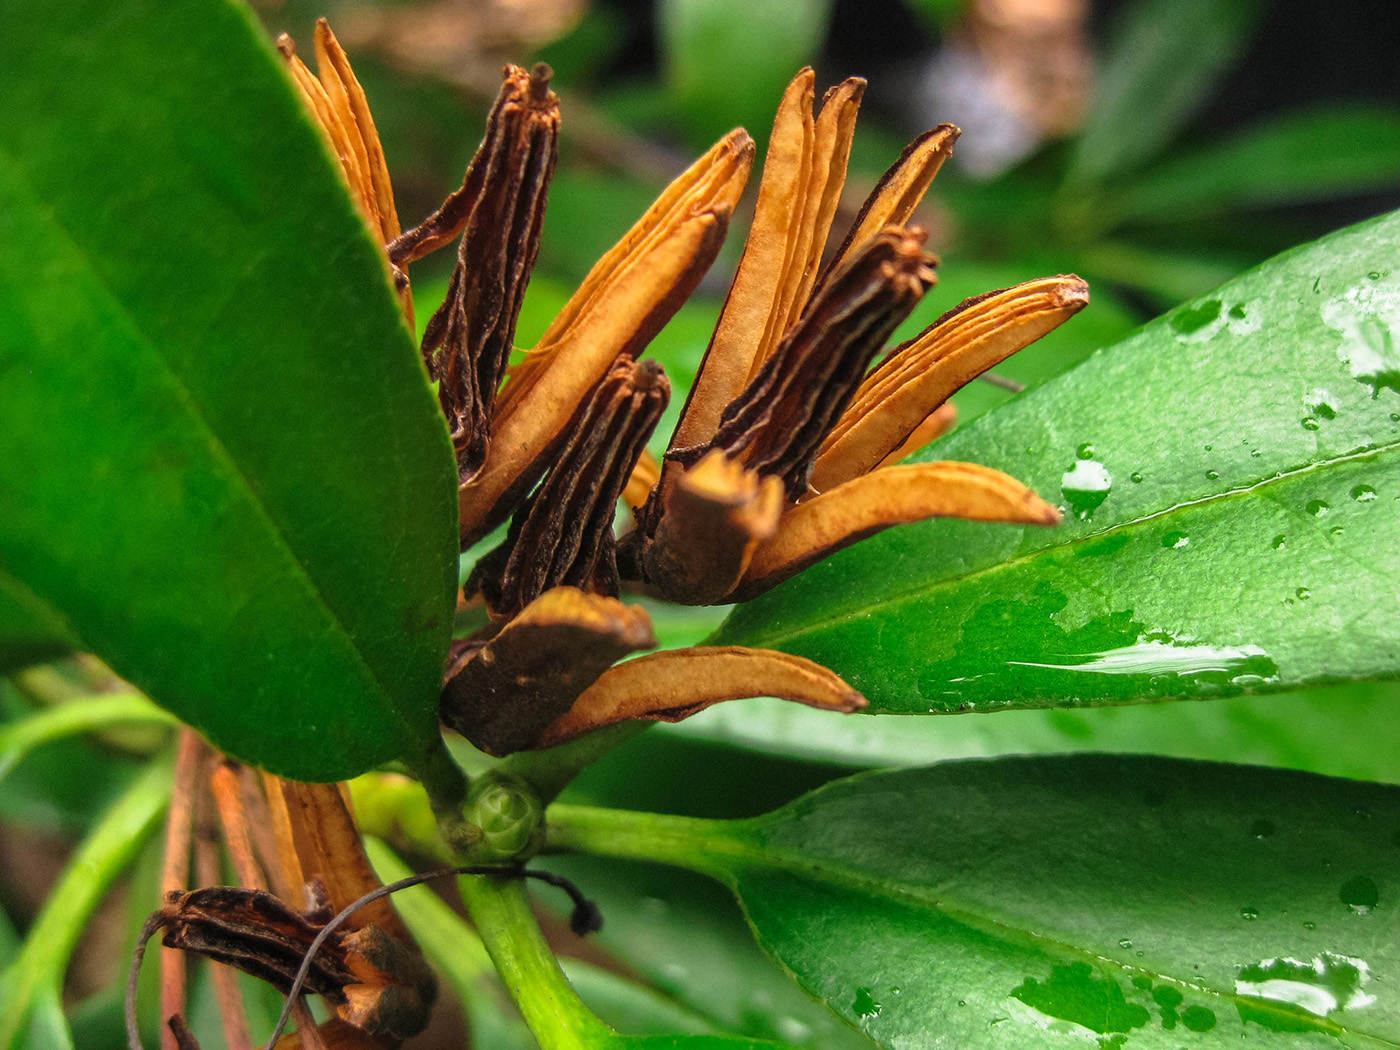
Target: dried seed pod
point(534, 668)
point(500, 207)
point(257, 933)
point(898, 192)
point(922, 373)
point(776, 426)
point(562, 535)
point(803, 173)
point(673, 685)
point(715, 514)
point(895, 495)
point(626, 299)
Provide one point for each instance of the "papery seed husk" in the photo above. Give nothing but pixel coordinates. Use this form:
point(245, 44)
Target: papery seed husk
point(619, 312)
point(757, 283)
point(897, 194)
point(893, 496)
point(468, 340)
point(715, 513)
point(925, 371)
point(673, 685)
point(562, 535)
point(777, 424)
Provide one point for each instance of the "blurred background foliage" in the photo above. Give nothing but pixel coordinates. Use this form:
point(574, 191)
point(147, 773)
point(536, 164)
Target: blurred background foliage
point(1156, 147)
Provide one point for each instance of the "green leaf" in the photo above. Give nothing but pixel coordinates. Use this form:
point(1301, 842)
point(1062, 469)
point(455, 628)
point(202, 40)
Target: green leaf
point(1342, 149)
point(1164, 59)
point(1231, 476)
point(223, 468)
point(759, 45)
point(1050, 902)
point(71, 718)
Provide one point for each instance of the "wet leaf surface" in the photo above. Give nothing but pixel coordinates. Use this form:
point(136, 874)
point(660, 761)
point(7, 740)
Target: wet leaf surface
point(1231, 481)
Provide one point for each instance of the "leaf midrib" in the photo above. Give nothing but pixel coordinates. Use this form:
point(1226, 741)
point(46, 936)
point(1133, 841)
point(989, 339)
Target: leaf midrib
point(49, 217)
point(899, 597)
point(826, 872)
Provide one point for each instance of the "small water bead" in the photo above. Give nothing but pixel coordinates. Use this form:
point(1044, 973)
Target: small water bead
point(1337, 530)
point(1135, 478)
point(1209, 447)
point(1262, 828)
point(1085, 451)
point(1279, 542)
point(1175, 540)
point(1212, 475)
point(1309, 423)
point(1363, 493)
point(1125, 943)
point(1303, 594)
point(1317, 508)
point(1249, 914)
point(1360, 894)
point(1309, 925)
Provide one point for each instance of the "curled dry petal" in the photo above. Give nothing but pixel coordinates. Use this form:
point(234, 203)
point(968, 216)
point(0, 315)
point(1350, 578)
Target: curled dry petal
point(922, 373)
point(536, 666)
point(776, 426)
point(626, 299)
point(803, 173)
point(892, 496)
point(716, 513)
point(898, 192)
point(673, 685)
point(938, 423)
point(562, 535)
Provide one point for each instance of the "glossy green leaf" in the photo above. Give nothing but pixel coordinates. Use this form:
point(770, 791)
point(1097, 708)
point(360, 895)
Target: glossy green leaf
point(1333, 151)
point(1231, 481)
point(1344, 731)
point(223, 466)
point(1054, 902)
point(1163, 60)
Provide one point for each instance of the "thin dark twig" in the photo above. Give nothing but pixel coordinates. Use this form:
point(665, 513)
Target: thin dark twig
point(1002, 383)
point(133, 977)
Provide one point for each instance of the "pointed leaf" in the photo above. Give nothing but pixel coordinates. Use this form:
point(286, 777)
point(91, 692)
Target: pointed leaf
point(1163, 61)
point(223, 469)
point(1052, 903)
point(1231, 476)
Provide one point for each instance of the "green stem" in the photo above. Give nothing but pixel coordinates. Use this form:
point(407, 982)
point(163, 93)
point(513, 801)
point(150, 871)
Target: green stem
point(75, 717)
point(109, 847)
point(680, 841)
point(446, 785)
point(551, 770)
point(529, 969)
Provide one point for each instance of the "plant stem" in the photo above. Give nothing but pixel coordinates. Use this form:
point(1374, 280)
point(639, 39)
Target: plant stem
point(103, 854)
point(680, 841)
point(529, 969)
point(446, 785)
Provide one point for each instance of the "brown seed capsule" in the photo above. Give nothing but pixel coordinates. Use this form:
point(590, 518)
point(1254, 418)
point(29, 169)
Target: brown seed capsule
point(500, 206)
point(562, 535)
point(776, 426)
point(534, 668)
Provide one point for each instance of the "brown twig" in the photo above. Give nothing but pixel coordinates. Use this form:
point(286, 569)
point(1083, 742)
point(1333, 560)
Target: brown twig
point(175, 869)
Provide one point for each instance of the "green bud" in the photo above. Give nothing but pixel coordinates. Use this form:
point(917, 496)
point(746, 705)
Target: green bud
point(510, 816)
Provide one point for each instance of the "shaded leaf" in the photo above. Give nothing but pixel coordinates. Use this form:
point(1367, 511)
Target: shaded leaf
point(1050, 902)
point(1231, 476)
point(1164, 59)
point(223, 466)
point(1342, 149)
